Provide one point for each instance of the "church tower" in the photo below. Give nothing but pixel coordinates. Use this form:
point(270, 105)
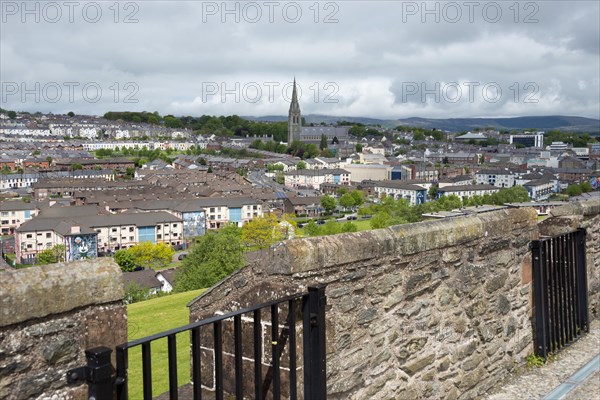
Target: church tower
point(294, 118)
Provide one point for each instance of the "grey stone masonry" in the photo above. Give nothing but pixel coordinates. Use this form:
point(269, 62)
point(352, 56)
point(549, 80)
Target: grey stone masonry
point(49, 316)
point(435, 310)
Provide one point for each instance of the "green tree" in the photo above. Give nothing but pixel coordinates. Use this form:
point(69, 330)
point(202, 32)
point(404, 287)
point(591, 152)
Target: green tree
point(347, 201)
point(358, 147)
point(358, 196)
point(418, 136)
point(323, 142)
point(213, 257)
point(312, 229)
point(135, 293)
point(381, 220)
point(52, 255)
point(328, 203)
point(574, 190)
point(150, 255)
point(11, 114)
point(71, 114)
point(76, 167)
point(125, 259)
point(300, 165)
point(261, 232)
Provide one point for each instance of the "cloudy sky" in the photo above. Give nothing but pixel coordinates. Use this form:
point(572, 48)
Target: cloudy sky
point(381, 59)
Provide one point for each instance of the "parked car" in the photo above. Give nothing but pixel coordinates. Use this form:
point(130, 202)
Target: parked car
point(182, 256)
point(321, 222)
point(351, 217)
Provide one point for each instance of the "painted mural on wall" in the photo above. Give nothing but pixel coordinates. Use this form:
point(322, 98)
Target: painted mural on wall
point(80, 247)
point(194, 224)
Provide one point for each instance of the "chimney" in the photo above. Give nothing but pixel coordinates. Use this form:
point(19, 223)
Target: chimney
point(75, 229)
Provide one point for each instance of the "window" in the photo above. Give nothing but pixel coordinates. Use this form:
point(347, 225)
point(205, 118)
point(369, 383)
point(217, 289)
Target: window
point(29, 236)
point(131, 229)
point(113, 230)
point(158, 227)
point(4, 222)
point(212, 210)
point(48, 235)
point(174, 234)
point(159, 236)
point(5, 213)
point(131, 238)
point(174, 225)
point(29, 246)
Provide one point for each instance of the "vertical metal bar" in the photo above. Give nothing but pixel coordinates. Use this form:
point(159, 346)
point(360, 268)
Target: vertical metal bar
point(122, 393)
point(275, 351)
point(313, 315)
point(239, 375)
point(568, 302)
point(582, 280)
point(555, 303)
point(576, 289)
point(570, 269)
point(196, 364)
point(147, 371)
point(257, 327)
point(545, 264)
point(172, 348)
point(538, 298)
point(292, 349)
point(549, 295)
point(561, 287)
point(218, 336)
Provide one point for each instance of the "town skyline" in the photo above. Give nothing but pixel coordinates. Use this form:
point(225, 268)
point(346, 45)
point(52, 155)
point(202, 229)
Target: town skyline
point(431, 60)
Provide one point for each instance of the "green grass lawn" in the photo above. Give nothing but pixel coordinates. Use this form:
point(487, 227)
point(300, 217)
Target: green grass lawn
point(154, 316)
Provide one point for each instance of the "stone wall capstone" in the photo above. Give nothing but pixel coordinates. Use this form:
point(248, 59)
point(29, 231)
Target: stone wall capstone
point(49, 316)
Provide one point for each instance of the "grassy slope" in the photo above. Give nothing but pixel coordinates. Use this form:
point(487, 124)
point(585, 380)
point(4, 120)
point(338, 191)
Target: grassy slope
point(154, 316)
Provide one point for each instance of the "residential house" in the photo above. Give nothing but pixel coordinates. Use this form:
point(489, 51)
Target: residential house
point(312, 179)
point(466, 191)
point(414, 193)
point(14, 213)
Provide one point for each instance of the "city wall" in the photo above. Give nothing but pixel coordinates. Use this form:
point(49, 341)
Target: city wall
point(49, 316)
point(440, 309)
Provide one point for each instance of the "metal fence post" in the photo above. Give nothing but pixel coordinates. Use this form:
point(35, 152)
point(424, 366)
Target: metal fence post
point(313, 310)
point(99, 374)
point(539, 297)
point(582, 283)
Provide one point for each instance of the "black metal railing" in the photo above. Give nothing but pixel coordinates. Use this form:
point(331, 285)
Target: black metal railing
point(560, 291)
point(229, 332)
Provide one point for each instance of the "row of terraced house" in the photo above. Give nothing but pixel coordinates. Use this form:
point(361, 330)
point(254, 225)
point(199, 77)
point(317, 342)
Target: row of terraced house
point(90, 230)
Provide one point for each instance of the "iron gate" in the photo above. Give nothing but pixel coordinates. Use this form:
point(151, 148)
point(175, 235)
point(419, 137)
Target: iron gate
point(560, 291)
point(232, 380)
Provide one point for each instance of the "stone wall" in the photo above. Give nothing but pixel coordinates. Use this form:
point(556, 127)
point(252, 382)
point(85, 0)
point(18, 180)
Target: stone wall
point(49, 316)
point(439, 309)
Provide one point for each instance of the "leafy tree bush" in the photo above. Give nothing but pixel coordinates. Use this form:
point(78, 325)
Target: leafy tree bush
point(135, 293)
point(146, 255)
point(52, 255)
point(328, 203)
point(213, 257)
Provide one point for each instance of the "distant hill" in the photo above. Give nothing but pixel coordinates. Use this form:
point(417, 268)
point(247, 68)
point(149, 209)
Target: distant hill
point(563, 123)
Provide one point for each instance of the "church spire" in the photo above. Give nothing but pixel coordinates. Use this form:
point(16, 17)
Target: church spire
point(294, 117)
